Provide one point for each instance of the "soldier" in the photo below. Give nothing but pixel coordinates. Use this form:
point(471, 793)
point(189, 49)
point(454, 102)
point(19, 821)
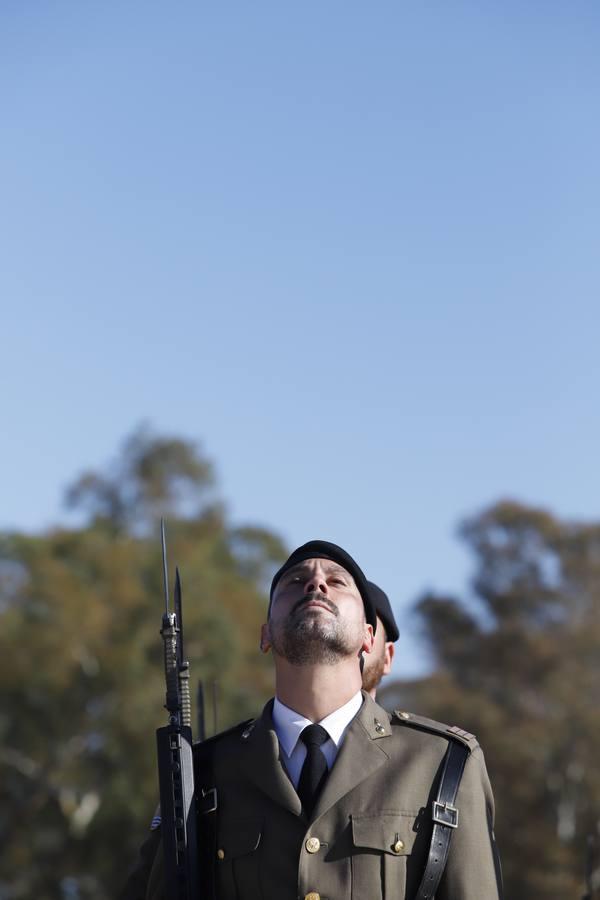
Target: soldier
point(379, 661)
point(326, 796)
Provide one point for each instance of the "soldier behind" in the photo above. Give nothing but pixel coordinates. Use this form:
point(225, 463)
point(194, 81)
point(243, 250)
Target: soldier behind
point(379, 662)
point(326, 796)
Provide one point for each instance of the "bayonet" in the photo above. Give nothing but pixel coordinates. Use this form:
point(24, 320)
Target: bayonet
point(215, 695)
point(163, 541)
point(200, 712)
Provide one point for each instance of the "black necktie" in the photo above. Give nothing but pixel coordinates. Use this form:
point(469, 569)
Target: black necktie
point(314, 770)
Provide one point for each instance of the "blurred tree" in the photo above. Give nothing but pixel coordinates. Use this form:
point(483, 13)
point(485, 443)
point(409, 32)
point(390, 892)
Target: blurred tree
point(81, 661)
point(152, 477)
point(519, 665)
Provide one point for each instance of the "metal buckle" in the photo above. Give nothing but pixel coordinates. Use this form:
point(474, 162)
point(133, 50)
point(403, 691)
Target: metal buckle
point(445, 814)
point(213, 801)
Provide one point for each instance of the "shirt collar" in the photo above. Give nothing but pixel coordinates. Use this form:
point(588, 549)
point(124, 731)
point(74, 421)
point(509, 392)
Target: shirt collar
point(289, 724)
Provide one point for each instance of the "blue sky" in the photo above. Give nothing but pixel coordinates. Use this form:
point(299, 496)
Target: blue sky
point(352, 249)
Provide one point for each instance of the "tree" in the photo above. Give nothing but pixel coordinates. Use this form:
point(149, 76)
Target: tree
point(151, 477)
point(519, 665)
point(81, 660)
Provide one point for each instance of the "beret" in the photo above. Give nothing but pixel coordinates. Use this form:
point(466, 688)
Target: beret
point(327, 550)
point(383, 609)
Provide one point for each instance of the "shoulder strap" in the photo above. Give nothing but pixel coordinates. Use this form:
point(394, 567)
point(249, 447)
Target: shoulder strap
point(445, 819)
point(206, 805)
point(421, 723)
point(207, 802)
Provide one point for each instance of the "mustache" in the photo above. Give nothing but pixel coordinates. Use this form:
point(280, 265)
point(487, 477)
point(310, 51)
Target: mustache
point(315, 595)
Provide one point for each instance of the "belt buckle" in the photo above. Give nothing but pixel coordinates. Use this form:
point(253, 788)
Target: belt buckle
point(445, 814)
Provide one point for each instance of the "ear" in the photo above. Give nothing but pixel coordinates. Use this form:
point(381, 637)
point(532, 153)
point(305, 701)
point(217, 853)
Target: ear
point(388, 658)
point(368, 639)
point(265, 639)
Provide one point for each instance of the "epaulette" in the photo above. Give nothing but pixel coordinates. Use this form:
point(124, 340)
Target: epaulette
point(400, 717)
point(242, 727)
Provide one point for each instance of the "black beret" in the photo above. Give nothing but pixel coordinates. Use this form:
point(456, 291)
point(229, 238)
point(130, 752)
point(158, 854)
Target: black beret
point(327, 550)
point(384, 610)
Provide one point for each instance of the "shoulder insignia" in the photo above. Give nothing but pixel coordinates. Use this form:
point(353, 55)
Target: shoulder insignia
point(156, 819)
point(400, 717)
point(248, 730)
point(461, 733)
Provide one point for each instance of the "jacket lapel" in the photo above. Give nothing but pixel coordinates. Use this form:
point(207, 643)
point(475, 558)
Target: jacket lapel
point(263, 765)
point(361, 754)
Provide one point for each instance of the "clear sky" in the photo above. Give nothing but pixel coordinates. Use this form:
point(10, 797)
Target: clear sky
point(351, 248)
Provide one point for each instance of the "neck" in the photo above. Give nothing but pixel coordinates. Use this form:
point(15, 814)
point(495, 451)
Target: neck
point(315, 691)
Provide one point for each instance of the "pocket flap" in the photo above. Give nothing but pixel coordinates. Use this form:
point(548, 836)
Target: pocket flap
point(391, 833)
point(239, 838)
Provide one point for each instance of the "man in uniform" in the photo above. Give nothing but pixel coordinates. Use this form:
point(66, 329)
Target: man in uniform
point(326, 796)
point(379, 661)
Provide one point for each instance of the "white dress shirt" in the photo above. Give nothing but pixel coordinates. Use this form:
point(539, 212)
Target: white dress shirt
point(289, 725)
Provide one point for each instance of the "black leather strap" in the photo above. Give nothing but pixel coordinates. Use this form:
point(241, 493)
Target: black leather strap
point(445, 819)
point(206, 805)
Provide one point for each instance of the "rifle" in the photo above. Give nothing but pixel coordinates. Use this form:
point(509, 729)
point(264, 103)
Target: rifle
point(175, 759)
point(590, 858)
point(201, 714)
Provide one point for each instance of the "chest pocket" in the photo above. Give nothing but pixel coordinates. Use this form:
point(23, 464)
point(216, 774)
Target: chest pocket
point(381, 845)
point(238, 854)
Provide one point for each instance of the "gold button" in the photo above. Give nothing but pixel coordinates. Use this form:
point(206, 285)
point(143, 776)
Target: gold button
point(398, 847)
point(221, 854)
point(313, 845)
point(404, 715)
point(312, 896)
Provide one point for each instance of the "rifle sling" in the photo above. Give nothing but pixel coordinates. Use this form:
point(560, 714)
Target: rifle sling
point(445, 819)
point(206, 805)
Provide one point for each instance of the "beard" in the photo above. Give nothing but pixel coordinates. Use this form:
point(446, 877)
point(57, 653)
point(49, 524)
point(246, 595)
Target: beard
point(307, 636)
point(373, 672)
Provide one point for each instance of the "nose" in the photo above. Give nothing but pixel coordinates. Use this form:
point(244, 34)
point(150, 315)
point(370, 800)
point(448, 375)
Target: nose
point(316, 582)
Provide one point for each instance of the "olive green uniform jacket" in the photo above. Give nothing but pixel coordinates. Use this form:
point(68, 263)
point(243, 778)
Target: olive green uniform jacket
point(369, 835)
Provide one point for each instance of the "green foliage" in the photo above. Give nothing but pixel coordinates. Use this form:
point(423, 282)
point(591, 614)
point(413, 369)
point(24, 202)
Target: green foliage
point(519, 665)
point(81, 661)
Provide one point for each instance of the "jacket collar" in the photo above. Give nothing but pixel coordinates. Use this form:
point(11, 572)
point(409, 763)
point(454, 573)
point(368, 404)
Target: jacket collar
point(262, 762)
point(361, 754)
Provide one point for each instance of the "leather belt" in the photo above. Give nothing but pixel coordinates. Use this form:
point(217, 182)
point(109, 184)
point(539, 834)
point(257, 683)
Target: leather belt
point(444, 814)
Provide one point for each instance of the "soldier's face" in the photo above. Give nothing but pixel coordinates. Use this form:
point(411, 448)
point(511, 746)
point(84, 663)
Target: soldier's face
point(317, 614)
point(379, 662)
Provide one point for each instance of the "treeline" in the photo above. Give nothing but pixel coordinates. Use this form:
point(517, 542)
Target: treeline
point(81, 668)
point(518, 663)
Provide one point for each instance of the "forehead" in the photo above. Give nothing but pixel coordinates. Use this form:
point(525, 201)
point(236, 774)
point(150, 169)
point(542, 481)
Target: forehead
point(309, 565)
